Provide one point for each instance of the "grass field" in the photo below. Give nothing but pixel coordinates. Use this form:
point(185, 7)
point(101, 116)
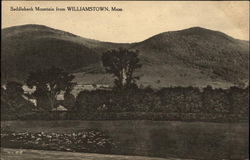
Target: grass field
point(27, 154)
point(197, 140)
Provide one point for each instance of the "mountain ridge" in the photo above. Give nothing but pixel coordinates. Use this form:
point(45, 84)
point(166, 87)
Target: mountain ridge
point(195, 56)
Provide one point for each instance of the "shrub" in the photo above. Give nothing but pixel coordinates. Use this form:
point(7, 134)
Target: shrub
point(81, 141)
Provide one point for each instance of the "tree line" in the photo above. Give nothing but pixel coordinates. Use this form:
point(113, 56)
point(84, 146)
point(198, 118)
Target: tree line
point(125, 96)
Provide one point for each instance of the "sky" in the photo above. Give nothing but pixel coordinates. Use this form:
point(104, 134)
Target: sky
point(138, 21)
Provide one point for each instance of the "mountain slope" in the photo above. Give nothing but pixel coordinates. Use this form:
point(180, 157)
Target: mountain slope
point(197, 54)
point(31, 47)
point(191, 57)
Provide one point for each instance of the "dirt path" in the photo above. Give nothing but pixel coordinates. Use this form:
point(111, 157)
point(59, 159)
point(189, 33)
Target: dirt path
point(28, 154)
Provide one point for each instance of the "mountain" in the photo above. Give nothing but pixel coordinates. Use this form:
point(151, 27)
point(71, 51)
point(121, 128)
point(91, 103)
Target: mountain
point(196, 56)
point(190, 57)
point(30, 47)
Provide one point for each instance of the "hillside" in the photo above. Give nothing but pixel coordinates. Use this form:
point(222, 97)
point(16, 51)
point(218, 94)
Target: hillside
point(196, 56)
point(191, 57)
point(30, 47)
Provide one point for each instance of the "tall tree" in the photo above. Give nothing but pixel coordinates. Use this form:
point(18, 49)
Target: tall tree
point(49, 83)
point(122, 63)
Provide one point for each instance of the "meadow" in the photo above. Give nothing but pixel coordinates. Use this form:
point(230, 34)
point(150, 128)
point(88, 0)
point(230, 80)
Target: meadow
point(196, 140)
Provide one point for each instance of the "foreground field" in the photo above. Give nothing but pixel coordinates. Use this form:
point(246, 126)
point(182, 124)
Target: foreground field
point(28, 154)
point(197, 140)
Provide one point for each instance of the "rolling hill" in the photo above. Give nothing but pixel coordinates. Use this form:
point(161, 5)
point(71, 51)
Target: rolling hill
point(190, 57)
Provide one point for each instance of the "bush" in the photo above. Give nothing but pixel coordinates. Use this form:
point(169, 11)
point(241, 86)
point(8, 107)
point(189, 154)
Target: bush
point(81, 141)
point(179, 99)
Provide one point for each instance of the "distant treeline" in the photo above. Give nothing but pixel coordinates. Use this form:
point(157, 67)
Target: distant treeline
point(177, 99)
point(148, 103)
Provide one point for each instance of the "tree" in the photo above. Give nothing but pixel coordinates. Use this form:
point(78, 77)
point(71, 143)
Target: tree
point(11, 97)
point(122, 63)
point(14, 89)
point(13, 103)
point(49, 83)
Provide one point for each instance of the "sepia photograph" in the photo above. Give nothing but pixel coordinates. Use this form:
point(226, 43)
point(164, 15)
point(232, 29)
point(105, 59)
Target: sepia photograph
point(125, 80)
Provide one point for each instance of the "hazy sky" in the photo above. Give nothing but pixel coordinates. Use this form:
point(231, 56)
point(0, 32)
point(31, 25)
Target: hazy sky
point(137, 21)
